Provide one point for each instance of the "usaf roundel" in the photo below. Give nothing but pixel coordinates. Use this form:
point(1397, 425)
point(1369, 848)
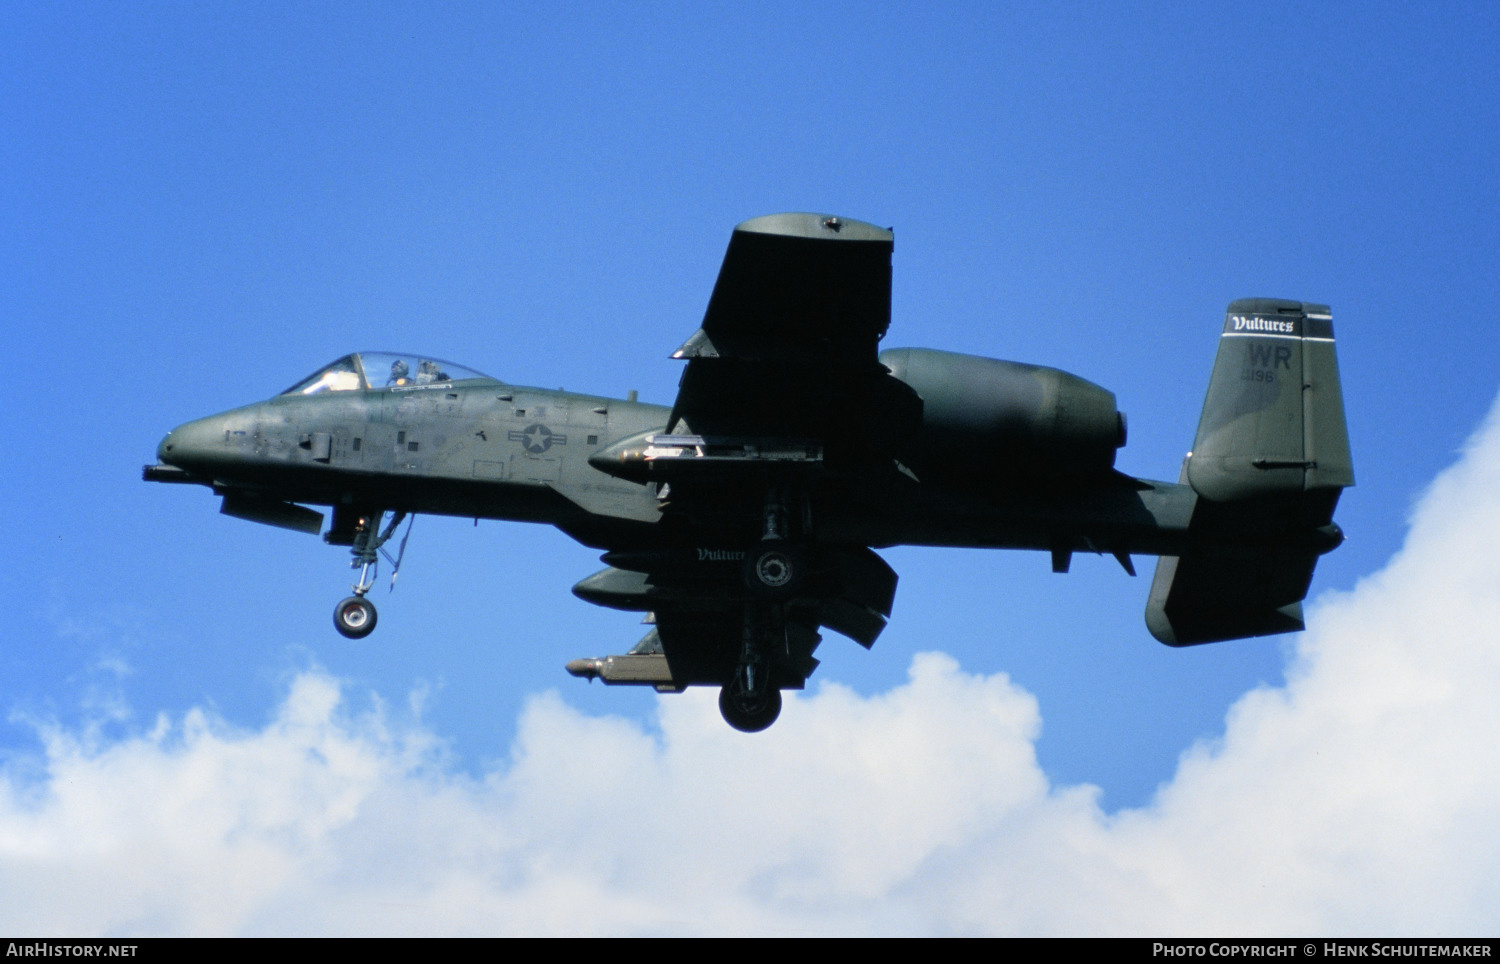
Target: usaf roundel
point(537, 438)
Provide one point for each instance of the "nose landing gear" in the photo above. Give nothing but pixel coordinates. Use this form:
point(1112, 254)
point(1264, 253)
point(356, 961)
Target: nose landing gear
point(354, 617)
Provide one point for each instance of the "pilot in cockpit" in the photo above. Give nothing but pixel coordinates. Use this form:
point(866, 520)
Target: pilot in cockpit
point(399, 372)
point(429, 372)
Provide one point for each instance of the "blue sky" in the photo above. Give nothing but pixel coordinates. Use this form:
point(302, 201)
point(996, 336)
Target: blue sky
point(203, 204)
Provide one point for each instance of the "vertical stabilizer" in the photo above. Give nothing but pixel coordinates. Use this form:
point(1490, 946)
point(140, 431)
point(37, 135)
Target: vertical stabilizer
point(1273, 420)
point(1270, 459)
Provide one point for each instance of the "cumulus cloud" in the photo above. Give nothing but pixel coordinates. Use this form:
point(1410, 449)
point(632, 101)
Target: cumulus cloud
point(1363, 797)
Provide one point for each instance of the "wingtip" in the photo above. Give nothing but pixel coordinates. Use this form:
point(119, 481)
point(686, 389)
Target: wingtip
point(801, 224)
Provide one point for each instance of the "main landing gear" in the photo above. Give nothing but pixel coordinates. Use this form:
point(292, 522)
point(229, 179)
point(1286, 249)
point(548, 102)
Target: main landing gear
point(775, 572)
point(749, 714)
point(355, 617)
point(751, 700)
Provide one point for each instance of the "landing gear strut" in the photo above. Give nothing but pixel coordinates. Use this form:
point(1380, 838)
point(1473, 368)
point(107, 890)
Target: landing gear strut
point(751, 701)
point(354, 617)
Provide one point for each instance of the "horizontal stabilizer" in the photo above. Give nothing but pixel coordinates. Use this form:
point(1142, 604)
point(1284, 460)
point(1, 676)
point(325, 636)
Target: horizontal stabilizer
point(1211, 596)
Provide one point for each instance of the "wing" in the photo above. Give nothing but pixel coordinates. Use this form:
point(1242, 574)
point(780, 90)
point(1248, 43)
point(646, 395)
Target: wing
point(784, 413)
point(789, 342)
point(793, 283)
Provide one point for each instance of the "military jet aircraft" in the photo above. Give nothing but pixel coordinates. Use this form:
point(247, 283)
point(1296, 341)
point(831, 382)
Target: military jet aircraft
point(744, 518)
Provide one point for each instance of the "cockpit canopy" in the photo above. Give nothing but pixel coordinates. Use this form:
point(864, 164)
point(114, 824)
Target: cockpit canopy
point(381, 369)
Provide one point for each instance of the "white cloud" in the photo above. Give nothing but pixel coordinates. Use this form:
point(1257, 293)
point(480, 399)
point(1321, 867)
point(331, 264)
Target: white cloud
point(1361, 798)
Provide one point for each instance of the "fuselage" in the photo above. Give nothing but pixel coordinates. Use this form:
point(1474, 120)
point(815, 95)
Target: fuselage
point(478, 448)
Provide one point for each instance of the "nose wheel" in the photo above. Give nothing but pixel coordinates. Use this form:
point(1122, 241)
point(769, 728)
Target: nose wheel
point(354, 617)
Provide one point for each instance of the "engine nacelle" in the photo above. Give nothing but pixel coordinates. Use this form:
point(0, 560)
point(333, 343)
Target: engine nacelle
point(1013, 420)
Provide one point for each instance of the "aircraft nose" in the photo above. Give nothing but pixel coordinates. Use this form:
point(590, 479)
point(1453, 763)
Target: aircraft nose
point(198, 443)
point(164, 450)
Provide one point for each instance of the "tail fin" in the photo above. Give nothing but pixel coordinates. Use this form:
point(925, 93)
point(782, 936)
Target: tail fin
point(1269, 461)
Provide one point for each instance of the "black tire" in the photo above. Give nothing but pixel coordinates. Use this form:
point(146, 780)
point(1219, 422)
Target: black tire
point(747, 715)
point(774, 570)
point(354, 617)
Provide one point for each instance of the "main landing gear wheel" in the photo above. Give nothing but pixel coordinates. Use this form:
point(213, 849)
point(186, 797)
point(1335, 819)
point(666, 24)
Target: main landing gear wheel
point(749, 714)
point(773, 570)
point(354, 617)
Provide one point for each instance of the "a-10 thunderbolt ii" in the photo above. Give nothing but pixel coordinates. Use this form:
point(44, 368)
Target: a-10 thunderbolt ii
point(744, 518)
